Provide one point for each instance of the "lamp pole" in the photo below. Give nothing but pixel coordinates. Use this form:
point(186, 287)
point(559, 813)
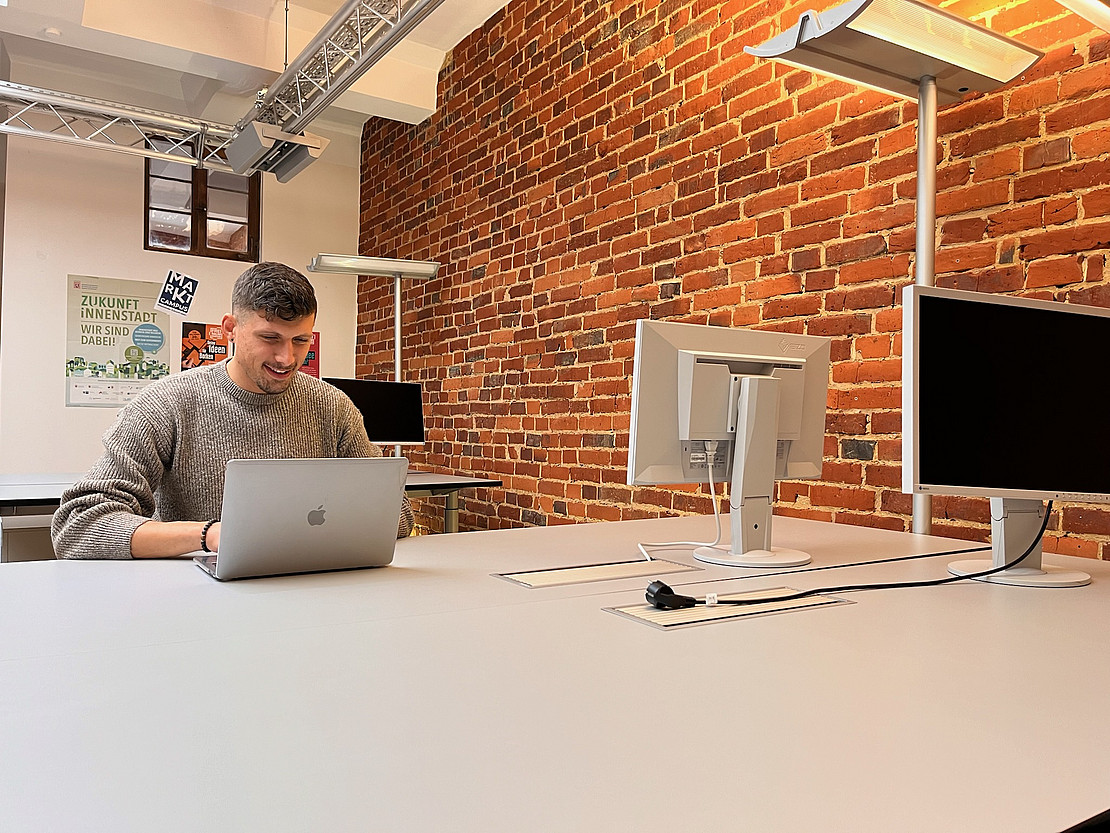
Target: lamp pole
point(397, 327)
point(872, 43)
point(396, 338)
point(925, 252)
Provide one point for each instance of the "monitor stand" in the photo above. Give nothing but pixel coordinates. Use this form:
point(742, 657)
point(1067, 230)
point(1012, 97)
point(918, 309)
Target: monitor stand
point(753, 483)
point(1014, 524)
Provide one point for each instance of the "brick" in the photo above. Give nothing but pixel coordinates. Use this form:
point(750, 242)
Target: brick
point(1055, 271)
point(881, 219)
point(1088, 520)
point(794, 306)
point(966, 230)
point(1012, 220)
point(1033, 96)
point(976, 196)
point(966, 257)
point(841, 182)
point(869, 297)
point(1053, 152)
point(1061, 241)
point(855, 249)
point(1008, 132)
point(1001, 163)
point(1096, 203)
point(770, 200)
point(860, 499)
point(801, 147)
point(859, 126)
point(1078, 114)
point(873, 347)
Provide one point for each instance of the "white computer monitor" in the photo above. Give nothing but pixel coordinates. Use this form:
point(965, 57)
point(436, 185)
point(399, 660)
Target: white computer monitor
point(999, 394)
point(721, 404)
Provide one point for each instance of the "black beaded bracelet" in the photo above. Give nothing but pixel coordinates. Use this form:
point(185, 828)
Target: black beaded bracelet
point(204, 535)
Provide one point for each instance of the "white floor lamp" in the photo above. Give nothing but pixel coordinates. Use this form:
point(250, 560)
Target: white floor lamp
point(912, 50)
point(385, 267)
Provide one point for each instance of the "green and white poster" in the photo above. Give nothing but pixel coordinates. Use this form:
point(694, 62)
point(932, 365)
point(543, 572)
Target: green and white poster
point(116, 341)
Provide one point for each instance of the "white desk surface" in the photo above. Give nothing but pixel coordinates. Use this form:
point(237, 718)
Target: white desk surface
point(417, 479)
point(20, 489)
point(433, 696)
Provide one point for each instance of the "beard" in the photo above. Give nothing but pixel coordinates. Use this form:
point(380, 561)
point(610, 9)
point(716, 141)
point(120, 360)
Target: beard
point(268, 384)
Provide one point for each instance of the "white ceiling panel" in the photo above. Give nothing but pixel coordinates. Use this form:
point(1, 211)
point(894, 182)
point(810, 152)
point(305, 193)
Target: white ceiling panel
point(208, 58)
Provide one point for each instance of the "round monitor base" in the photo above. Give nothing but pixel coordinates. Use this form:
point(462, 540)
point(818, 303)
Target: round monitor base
point(775, 557)
point(1021, 576)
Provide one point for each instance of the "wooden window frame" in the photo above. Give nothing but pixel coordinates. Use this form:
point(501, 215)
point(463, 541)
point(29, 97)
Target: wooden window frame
point(198, 226)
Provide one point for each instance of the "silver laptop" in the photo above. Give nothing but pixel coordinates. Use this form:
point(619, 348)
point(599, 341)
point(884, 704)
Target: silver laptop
point(301, 516)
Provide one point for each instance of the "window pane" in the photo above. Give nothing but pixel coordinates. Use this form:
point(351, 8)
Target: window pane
point(227, 205)
point(171, 194)
point(169, 230)
point(229, 236)
point(170, 170)
point(227, 182)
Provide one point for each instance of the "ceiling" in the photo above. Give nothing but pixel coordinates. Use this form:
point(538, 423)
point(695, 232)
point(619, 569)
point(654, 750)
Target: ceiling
point(208, 58)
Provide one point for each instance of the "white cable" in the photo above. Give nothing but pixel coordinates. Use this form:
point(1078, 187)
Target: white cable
point(710, 454)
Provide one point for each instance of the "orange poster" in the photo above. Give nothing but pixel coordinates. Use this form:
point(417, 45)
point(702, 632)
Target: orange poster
point(202, 344)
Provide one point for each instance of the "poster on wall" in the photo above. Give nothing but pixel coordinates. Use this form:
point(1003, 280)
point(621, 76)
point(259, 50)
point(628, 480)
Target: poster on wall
point(177, 293)
point(202, 344)
point(311, 364)
point(116, 341)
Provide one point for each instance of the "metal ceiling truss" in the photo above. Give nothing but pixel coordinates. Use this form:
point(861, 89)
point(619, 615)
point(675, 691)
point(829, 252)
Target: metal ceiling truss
point(62, 117)
point(355, 39)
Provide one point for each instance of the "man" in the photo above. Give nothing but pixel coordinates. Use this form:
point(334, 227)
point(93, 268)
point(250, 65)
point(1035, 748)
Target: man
point(157, 490)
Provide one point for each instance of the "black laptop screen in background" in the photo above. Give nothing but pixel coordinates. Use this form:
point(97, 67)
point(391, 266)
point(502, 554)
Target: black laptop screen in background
point(392, 411)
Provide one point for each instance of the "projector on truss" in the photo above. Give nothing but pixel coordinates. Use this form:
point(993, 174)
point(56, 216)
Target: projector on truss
point(265, 147)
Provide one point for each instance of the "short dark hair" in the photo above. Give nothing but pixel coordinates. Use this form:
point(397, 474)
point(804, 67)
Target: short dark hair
point(275, 291)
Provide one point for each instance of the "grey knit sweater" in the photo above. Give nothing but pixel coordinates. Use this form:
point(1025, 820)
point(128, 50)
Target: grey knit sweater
point(164, 457)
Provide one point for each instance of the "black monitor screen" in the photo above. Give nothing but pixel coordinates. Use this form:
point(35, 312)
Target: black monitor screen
point(1011, 396)
point(392, 411)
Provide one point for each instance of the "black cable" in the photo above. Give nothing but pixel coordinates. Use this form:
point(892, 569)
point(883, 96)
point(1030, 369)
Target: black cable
point(848, 588)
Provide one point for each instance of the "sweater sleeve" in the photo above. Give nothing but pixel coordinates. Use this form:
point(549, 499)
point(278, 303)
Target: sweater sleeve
point(98, 514)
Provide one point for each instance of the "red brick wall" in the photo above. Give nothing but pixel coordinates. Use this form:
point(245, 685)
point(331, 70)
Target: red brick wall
point(592, 163)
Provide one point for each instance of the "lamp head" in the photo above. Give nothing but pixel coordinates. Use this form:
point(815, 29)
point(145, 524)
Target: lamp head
point(890, 45)
point(384, 266)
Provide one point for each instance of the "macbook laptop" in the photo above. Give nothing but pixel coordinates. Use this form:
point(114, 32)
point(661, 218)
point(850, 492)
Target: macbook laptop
point(301, 516)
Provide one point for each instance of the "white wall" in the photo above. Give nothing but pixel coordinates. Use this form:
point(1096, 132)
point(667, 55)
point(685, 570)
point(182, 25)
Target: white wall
point(72, 210)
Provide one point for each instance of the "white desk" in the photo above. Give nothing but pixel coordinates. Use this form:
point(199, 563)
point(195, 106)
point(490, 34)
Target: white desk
point(427, 483)
point(139, 696)
point(27, 503)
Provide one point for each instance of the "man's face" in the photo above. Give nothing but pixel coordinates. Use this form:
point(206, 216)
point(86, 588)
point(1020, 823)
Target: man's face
point(267, 353)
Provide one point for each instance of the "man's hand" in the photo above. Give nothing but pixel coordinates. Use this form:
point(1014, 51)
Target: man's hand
point(163, 539)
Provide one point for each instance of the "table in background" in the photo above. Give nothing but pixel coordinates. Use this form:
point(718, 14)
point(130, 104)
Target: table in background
point(426, 483)
point(27, 502)
point(436, 695)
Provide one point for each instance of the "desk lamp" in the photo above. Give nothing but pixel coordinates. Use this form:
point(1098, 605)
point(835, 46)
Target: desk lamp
point(911, 50)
